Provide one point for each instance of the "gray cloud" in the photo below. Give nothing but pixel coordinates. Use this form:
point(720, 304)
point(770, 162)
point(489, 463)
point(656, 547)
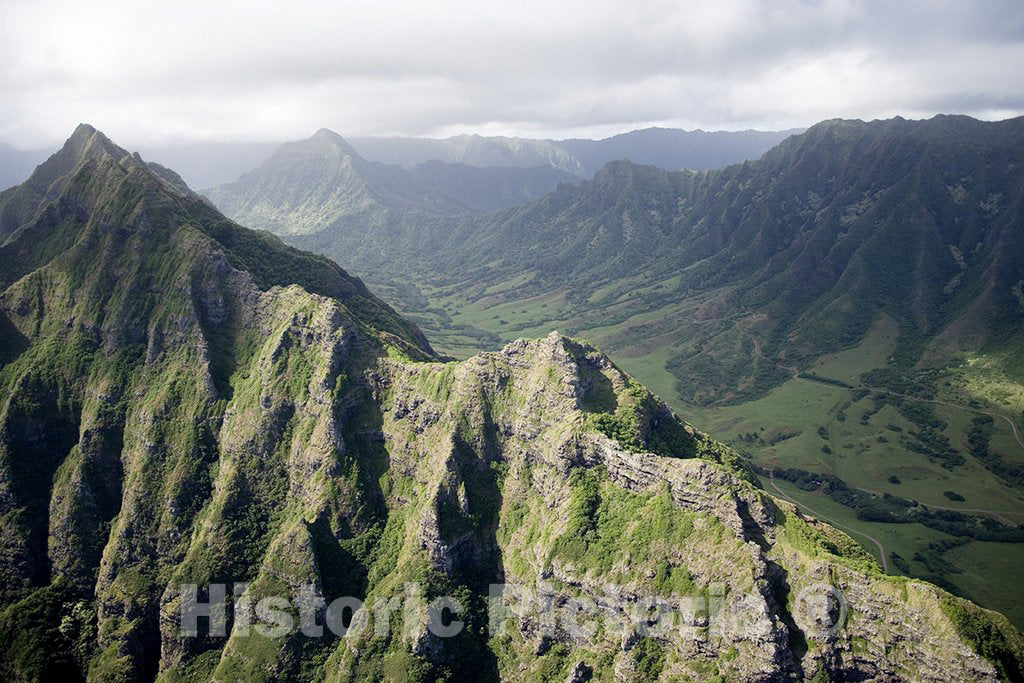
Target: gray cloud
point(154, 73)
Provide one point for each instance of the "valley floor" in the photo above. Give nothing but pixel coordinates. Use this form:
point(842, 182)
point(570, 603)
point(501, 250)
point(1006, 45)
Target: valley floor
point(823, 420)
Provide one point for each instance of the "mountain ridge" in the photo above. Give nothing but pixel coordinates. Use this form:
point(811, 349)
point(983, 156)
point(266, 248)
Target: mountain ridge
point(864, 268)
point(669, 148)
point(779, 223)
point(191, 402)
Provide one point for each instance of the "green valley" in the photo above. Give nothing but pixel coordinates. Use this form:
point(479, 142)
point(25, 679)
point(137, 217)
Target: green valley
point(858, 281)
point(189, 404)
point(865, 431)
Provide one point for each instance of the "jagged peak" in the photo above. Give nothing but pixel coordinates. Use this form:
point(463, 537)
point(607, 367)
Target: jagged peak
point(268, 260)
point(326, 136)
point(324, 144)
point(86, 142)
point(82, 131)
point(90, 144)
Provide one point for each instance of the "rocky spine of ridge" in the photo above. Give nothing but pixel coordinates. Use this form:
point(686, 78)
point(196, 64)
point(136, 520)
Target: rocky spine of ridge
point(175, 412)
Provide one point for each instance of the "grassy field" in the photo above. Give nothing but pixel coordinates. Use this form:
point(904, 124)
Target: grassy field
point(790, 426)
point(990, 573)
point(904, 539)
point(857, 436)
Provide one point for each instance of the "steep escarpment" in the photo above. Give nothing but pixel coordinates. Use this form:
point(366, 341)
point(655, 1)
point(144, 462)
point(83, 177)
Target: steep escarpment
point(805, 248)
point(190, 404)
point(130, 309)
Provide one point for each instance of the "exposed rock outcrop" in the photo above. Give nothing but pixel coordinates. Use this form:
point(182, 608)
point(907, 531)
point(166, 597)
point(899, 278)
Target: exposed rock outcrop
point(188, 404)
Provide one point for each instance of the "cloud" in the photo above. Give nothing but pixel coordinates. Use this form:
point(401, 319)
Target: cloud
point(158, 72)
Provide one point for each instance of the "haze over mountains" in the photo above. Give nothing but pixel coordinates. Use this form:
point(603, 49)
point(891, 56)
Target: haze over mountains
point(17, 164)
point(322, 181)
point(201, 164)
point(189, 402)
point(206, 164)
point(668, 148)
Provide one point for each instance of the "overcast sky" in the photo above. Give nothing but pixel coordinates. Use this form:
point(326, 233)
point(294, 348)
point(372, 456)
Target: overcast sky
point(152, 73)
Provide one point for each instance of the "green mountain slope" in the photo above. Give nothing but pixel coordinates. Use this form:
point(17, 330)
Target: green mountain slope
point(189, 402)
point(848, 305)
point(915, 220)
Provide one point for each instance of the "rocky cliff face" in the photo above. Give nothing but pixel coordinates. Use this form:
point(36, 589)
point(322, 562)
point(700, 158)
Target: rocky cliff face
point(188, 403)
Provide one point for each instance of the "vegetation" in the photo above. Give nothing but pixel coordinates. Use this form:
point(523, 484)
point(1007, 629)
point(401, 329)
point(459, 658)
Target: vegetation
point(979, 442)
point(896, 510)
point(609, 529)
point(227, 409)
point(989, 635)
point(645, 301)
point(649, 659)
point(825, 380)
point(642, 423)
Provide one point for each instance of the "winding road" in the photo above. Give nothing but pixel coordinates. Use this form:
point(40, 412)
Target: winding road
point(997, 514)
point(878, 390)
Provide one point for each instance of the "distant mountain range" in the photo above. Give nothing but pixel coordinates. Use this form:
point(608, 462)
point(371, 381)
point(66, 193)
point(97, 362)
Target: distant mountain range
point(669, 148)
point(201, 164)
point(919, 220)
point(324, 183)
point(186, 402)
point(307, 185)
point(206, 164)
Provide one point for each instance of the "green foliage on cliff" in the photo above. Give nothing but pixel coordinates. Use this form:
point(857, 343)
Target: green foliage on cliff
point(989, 634)
point(642, 424)
point(174, 416)
point(612, 530)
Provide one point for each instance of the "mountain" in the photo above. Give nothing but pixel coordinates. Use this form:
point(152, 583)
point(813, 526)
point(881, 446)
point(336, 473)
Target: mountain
point(188, 402)
point(323, 181)
point(916, 220)
point(668, 148)
point(201, 164)
point(919, 221)
point(473, 150)
point(846, 310)
point(674, 149)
